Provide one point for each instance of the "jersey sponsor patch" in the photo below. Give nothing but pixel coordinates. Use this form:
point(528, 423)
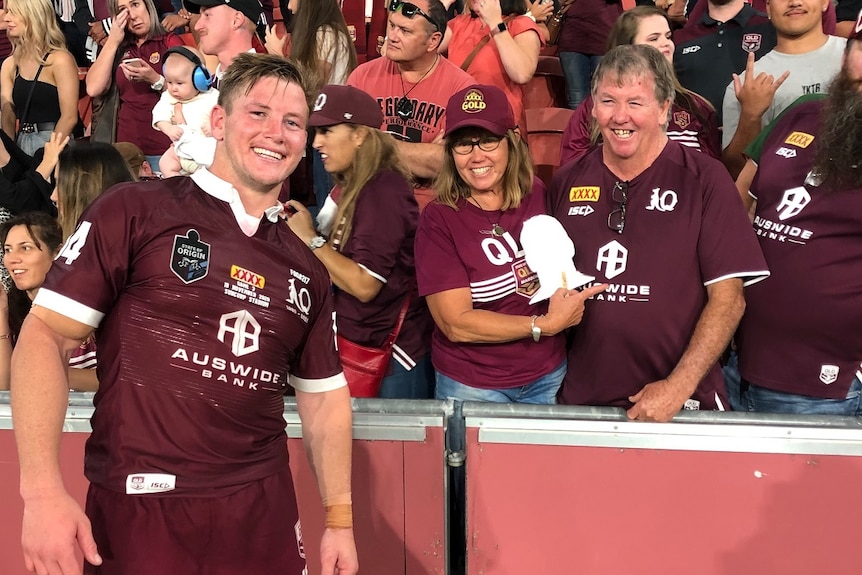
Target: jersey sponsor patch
point(785, 152)
point(691, 405)
point(751, 42)
point(141, 483)
point(662, 201)
point(799, 139)
point(584, 194)
point(246, 276)
point(690, 49)
point(828, 373)
point(581, 210)
point(190, 257)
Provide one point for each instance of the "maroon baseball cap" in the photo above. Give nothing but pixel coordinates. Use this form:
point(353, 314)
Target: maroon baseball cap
point(345, 105)
point(480, 107)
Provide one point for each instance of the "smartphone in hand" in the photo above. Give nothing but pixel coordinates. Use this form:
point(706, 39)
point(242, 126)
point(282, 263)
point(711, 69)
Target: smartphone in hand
point(133, 62)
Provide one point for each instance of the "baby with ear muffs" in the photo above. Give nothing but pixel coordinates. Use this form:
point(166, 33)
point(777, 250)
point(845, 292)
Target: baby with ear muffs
point(183, 112)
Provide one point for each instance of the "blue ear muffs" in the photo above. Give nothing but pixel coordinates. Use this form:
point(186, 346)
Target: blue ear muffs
point(201, 78)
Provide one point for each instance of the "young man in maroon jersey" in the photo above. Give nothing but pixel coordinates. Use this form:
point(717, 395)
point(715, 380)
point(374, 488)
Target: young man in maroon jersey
point(207, 305)
point(800, 342)
point(662, 225)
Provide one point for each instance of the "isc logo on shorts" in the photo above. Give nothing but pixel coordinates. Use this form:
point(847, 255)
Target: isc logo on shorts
point(799, 139)
point(584, 194)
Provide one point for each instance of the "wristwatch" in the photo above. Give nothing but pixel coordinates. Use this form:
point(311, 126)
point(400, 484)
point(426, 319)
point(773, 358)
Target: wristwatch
point(158, 84)
point(317, 242)
point(501, 27)
point(534, 329)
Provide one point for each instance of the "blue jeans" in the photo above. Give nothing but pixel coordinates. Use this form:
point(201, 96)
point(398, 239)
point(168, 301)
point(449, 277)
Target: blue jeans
point(542, 391)
point(578, 69)
point(418, 383)
point(745, 396)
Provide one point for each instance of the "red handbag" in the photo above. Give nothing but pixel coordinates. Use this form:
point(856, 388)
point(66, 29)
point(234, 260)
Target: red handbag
point(365, 367)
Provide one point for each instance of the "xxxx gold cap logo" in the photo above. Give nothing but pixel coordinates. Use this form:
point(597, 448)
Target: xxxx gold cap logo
point(474, 102)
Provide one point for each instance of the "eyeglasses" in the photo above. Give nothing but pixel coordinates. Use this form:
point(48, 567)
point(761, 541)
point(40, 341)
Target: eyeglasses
point(410, 10)
point(486, 144)
point(617, 218)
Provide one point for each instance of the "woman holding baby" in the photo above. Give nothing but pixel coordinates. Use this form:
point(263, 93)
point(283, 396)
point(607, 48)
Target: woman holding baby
point(127, 78)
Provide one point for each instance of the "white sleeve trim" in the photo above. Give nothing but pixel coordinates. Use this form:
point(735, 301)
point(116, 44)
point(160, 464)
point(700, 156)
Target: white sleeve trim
point(68, 307)
point(749, 278)
point(318, 385)
point(373, 274)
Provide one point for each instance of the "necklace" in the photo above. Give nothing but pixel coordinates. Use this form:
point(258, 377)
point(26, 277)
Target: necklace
point(496, 229)
point(404, 107)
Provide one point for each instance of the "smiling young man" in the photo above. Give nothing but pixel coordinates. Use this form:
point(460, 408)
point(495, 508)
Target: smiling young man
point(413, 84)
point(207, 306)
point(662, 224)
point(225, 27)
point(804, 61)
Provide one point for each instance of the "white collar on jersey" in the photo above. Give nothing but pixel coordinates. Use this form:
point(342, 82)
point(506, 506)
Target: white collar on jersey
point(224, 191)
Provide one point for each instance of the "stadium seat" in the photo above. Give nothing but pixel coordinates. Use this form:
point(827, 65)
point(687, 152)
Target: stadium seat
point(547, 88)
point(545, 128)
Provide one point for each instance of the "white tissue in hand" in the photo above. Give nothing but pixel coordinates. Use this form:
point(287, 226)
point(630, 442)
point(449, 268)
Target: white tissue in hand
point(550, 253)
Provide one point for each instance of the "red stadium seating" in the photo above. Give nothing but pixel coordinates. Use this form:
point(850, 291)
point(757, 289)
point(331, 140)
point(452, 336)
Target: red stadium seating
point(547, 89)
point(544, 133)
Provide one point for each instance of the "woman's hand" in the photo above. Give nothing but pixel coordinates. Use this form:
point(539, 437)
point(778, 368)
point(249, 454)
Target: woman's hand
point(118, 27)
point(139, 71)
point(300, 221)
point(566, 308)
point(274, 44)
point(55, 144)
point(541, 11)
point(489, 11)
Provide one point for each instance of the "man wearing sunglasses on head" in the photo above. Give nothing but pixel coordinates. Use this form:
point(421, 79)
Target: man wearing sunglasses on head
point(663, 226)
point(413, 83)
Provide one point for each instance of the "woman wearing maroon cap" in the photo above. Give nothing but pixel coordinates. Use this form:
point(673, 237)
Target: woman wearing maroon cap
point(491, 343)
point(127, 77)
point(365, 237)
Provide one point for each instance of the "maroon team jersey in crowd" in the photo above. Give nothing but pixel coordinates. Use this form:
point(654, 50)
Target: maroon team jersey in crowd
point(198, 327)
point(802, 329)
point(381, 241)
point(455, 249)
point(685, 228)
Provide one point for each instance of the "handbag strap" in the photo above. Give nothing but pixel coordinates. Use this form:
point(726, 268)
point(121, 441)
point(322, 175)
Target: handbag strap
point(481, 45)
point(33, 87)
point(390, 341)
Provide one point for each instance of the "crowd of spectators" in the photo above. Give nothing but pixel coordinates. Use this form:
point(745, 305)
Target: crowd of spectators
point(429, 139)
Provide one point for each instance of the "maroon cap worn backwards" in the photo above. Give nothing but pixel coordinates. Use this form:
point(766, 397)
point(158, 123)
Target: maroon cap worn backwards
point(480, 107)
point(345, 105)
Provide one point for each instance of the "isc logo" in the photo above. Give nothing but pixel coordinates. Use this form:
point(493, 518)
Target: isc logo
point(581, 210)
point(785, 152)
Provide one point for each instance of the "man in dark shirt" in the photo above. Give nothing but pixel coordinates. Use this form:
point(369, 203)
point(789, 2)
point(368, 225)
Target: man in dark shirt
point(710, 49)
point(207, 306)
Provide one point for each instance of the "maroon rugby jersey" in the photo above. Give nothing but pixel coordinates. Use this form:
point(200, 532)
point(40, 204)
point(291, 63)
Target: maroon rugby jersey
point(802, 329)
point(198, 328)
point(455, 249)
point(381, 241)
point(685, 228)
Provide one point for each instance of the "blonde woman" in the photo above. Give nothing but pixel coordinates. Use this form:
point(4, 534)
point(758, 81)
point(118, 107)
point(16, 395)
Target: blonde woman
point(39, 81)
point(370, 229)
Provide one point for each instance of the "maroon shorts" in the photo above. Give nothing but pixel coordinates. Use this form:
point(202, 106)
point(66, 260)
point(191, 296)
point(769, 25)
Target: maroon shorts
point(254, 530)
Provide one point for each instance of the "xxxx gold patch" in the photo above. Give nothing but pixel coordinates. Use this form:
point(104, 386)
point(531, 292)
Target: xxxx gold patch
point(247, 276)
point(799, 139)
point(584, 194)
